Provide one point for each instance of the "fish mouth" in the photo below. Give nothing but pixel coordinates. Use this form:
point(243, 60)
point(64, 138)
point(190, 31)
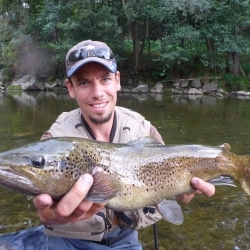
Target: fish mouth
point(12, 178)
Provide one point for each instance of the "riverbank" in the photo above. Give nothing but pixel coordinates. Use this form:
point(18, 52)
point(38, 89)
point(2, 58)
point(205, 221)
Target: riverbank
point(210, 86)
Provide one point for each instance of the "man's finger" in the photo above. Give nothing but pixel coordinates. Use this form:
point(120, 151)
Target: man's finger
point(85, 211)
point(204, 187)
point(75, 196)
point(95, 208)
point(42, 201)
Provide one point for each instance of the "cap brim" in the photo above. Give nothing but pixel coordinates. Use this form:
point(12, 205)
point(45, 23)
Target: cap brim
point(109, 64)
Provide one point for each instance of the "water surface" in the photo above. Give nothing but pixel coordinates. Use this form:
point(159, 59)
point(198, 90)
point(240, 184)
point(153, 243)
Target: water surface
point(220, 222)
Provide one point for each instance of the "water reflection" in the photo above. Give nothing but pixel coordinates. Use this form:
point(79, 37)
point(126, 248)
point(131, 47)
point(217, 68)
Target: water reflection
point(24, 98)
point(221, 222)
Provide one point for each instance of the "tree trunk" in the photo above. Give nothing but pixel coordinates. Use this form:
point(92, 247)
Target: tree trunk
point(211, 52)
point(233, 60)
point(234, 57)
point(230, 61)
point(134, 30)
point(236, 63)
point(135, 39)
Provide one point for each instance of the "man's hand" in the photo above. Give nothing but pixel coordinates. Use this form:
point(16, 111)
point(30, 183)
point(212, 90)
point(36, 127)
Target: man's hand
point(200, 186)
point(71, 208)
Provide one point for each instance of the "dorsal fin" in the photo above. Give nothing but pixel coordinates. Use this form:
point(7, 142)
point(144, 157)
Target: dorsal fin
point(147, 141)
point(225, 146)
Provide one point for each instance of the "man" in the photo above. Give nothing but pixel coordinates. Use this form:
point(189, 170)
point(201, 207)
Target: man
point(73, 222)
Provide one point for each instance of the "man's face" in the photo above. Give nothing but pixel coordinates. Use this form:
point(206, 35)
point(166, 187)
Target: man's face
point(95, 89)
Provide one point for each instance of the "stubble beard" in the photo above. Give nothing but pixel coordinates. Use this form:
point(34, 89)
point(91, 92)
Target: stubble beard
point(101, 120)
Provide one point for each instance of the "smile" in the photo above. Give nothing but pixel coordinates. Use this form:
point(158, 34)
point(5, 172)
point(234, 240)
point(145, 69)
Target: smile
point(100, 105)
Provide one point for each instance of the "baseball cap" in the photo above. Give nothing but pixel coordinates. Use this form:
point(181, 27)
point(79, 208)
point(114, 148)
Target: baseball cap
point(89, 51)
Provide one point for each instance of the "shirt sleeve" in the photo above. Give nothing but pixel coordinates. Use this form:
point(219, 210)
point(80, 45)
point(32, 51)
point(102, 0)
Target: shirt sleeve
point(46, 135)
point(154, 132)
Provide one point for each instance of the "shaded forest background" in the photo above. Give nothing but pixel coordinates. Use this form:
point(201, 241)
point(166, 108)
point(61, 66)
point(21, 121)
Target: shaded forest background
point(152, 39)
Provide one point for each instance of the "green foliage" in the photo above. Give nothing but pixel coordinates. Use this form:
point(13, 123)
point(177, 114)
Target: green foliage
point(12, 52)
point(195, 9)
point(183, 45)
point(236, 82)
point(166, 38)
point(246, 68)
point(14, 88)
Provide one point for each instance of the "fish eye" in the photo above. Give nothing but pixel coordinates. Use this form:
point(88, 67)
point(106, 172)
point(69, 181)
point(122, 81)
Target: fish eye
point(38, 161)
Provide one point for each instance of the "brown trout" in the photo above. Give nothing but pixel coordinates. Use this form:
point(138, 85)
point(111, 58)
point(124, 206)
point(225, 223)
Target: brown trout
point(137, 174)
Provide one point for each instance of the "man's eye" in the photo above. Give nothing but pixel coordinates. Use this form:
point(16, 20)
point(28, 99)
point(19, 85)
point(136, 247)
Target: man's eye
point(83, 83)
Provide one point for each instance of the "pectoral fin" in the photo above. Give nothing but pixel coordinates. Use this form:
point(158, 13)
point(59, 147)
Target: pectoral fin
point(104, 188)
point(171, 211)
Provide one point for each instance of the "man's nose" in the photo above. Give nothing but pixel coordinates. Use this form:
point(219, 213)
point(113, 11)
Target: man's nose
point(97, 89)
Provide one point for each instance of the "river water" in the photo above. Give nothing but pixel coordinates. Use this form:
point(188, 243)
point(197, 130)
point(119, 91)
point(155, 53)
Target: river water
point(219, 222)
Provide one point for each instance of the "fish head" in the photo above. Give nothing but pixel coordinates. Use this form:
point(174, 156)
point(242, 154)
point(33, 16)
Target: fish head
point(49, 166)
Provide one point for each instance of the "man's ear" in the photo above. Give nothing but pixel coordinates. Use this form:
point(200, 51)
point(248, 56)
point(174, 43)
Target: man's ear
point(118, 81)
point(70, 88)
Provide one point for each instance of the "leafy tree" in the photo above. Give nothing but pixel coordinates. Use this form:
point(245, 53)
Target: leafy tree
point(143, 17)
point(65, 23)
point(161, 37)
point(14, 42)
point(224, 36)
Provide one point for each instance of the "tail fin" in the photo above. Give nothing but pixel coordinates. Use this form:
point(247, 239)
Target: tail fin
point(222, 180)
